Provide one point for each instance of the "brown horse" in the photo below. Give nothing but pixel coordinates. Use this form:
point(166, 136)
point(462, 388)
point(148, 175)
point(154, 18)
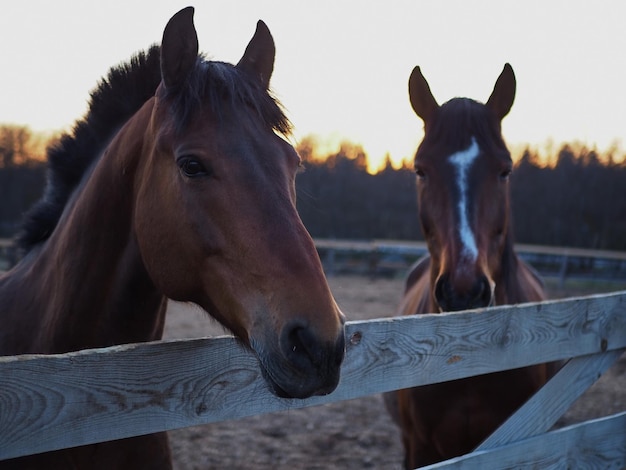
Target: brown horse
point(176, 185)
point(463, 168)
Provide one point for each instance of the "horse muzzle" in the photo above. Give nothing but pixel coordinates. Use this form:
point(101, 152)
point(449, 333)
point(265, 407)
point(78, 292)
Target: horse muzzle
point(454, 296)
point(302, 364)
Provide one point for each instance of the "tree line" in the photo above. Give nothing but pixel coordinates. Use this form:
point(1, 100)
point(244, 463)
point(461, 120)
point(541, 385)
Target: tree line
point(579, 201)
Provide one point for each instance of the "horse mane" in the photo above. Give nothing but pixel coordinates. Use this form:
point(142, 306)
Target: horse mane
point(116, 98)
point(216, 84)
point(460, 119)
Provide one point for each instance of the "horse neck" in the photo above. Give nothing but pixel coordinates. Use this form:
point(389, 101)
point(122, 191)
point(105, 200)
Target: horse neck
point(87, 286)
point(515, 281)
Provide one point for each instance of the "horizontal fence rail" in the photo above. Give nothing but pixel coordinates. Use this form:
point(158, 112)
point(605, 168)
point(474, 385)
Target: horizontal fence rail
point(420, 247)
point(417, 247)
point(388, 257)
point(49, 402)
point(597, 444)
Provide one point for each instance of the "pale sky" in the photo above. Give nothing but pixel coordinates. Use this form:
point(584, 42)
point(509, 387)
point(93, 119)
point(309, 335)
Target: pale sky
point(342, 66)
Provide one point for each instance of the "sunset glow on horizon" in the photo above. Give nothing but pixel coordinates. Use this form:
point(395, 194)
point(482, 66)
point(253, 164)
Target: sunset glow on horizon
point(341, 68)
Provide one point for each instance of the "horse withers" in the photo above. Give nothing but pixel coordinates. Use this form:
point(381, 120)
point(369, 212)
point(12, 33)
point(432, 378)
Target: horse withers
point(463, 169)
point(177, 184)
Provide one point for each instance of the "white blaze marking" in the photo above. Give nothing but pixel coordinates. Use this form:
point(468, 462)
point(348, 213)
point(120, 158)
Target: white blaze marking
point(462, 161)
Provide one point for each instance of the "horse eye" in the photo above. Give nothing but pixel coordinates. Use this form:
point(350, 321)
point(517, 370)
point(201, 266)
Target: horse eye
point(191, 167)
point(420, 173)
point(505, 174)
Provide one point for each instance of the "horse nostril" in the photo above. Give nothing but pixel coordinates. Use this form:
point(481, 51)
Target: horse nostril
point(309, 363)
point(451, 297)
point(301, 347)
point(484, 299)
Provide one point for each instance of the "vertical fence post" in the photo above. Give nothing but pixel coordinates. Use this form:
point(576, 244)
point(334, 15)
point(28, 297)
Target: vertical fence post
point(329, 262)
point(563, 271)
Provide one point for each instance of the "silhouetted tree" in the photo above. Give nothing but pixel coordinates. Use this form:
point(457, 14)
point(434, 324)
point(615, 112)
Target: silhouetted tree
point(339, 198)
point(579, 202)
point(22, 174)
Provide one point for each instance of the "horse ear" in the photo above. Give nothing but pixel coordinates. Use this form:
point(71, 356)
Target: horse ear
point(503, 93)
point(179, 48)
point(258, 59)
point(422, 100)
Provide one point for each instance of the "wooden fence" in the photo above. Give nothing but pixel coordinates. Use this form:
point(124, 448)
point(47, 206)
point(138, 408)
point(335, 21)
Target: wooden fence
point(58, 401)
point(387, 257)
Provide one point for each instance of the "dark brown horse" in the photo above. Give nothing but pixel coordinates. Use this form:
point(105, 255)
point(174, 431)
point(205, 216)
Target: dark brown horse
point(176, 185)
point(463, 168)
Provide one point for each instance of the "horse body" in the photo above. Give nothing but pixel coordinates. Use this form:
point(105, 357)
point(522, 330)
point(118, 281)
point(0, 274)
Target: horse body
point(449, 419)
point(463, 168)
point(178, 186)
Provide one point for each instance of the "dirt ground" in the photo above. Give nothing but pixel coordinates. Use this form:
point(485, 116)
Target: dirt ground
point(355, 434)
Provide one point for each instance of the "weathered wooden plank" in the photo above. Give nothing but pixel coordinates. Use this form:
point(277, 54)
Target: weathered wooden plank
point(543, 410)
point(598, 444)
point(403, 352)
point(50, 402)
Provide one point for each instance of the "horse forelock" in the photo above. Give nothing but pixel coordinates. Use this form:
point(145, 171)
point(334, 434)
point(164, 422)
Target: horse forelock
point(460, 120)
point(223, 88)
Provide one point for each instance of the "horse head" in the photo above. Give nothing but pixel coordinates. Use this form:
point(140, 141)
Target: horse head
point(463, 169)
point(215, 215)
